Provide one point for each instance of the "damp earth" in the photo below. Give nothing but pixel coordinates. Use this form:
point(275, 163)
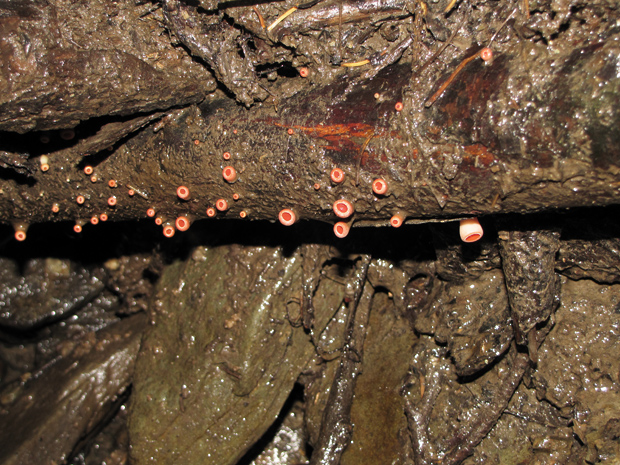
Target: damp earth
point(230, 232)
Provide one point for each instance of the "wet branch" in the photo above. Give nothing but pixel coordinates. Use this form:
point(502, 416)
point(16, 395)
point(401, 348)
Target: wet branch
point(418, 416)
point(470, 436)
point(336, 428)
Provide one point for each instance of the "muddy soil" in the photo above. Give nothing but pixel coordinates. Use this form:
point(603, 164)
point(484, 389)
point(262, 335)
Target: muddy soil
point(240, 340)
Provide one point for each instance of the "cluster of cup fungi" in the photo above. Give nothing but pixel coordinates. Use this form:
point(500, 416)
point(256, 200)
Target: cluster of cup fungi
point(470, 228)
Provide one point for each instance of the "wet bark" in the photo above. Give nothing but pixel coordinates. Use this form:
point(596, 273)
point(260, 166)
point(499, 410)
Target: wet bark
point(489, 144)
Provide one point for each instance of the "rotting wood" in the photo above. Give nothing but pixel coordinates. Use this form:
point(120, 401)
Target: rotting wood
point(336, 428)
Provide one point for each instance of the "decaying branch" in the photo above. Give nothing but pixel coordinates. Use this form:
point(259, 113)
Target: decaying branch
point(488, 145)
point(336, 428)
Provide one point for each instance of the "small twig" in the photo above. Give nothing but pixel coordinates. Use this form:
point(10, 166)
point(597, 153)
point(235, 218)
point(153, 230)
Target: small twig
point(502, 26)
point(260, 17)
point(454, 74)
point(282, 17)
point(354, 64)
point(445, 45)
point(462, 65)
point(359, 162)
point(450, 6)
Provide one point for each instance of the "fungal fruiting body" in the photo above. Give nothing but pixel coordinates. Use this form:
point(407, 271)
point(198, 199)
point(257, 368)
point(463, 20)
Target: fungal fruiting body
point(304, 72)
point(112, 201)
point(221, 205)
point(379, 186)
point(337, 175)
point(159, 221)
point(226, 155)
point(183, 192)
point(210, 212)
point(20, 231)
point(396, 221)
point(103, 217)
point(290, 131)
point(470, 230)
point(341, 229)
point(55, 208)
point(398, 106)
point(486, 54)
point(168, 230)
point(80, 199)
point(94, 219)
point(287, 217)
point(78, 226)
point(112, 183)
point(45, 163)
point(243, 214)
point(236, 197)
point(93, 178)
point(88, 170)
point(229, 174)
point(317, 186)
point(150, 212)
point(343, 208)
point(131, 192)
point(182, 223)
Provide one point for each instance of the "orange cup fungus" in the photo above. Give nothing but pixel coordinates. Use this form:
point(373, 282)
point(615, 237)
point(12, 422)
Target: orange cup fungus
point(470, 230)
point(287, 217)
point(396, 221)
point(20, 231)
point(379, 186)
point(182, 223)
point(168, 230)
point(183, 192)
point(229, 174)
point(337, 175)
point(341, 229)
point(221, 205)
point(45, 163)
point(343, 208)
point(486, 54)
